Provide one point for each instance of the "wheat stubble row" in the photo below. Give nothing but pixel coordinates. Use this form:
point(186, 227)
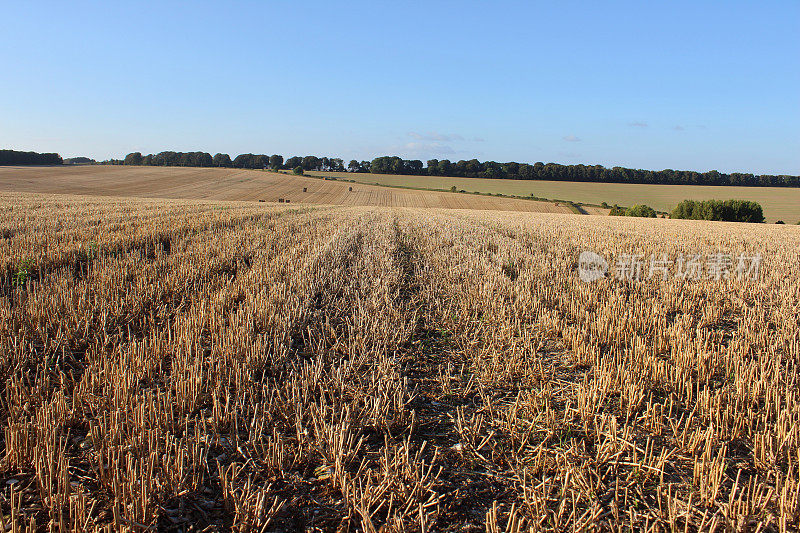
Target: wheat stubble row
point(173, 365)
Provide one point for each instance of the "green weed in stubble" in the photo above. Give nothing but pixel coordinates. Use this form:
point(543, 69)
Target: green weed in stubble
point(23, 272)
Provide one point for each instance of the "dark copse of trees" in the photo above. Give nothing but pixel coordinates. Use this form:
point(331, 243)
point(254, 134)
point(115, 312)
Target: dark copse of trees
point(256, 161)
point(644, 211)
point(470, 169)
point(356, 166)
point(14, 158)
point(728, 210)
point(167, 159)
point(251, 161)
point(79, 161)
point(311, 162)
point(193, 159)
point(395, 165)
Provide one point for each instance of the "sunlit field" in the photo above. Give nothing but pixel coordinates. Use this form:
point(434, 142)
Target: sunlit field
point(779, 203)
point(264, 367)
point(240, 184)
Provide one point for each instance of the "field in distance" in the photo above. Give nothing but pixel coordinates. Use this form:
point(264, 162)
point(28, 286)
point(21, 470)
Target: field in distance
point(230, 365)
point(779, 203)
point(239, 184)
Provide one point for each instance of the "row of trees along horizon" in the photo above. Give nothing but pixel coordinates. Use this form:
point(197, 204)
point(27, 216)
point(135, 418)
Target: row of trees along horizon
point(434, 167)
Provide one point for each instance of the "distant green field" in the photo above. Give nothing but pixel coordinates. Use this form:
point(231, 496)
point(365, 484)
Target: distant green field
point(779, 203)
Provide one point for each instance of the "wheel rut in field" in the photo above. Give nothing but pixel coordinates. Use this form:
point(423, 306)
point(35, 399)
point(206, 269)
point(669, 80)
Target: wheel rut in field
point(427, 347)
point(468, 490)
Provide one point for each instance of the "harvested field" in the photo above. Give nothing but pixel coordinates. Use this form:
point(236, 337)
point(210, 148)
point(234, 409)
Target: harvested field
point(177, 364)
point(779, 203)
point(238, 184)
point(592, 210)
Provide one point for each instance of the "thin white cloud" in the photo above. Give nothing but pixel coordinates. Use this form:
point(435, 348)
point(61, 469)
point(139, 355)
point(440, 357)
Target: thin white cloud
point(637, 124)
point(571, 138)
point(427, 149)
point(434, 136)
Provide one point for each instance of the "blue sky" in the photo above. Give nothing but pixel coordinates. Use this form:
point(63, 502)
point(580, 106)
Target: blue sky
point(684, 85)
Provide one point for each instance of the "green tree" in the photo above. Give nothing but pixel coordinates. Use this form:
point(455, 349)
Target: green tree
point(222, 160)
point(414, 167)
point(311, 162)
point(134, 158)
point(276, 162)
point(244, 161)
point(640, 211)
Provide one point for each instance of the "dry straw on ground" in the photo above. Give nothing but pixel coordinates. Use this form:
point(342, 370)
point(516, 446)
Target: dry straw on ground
point(174, 365)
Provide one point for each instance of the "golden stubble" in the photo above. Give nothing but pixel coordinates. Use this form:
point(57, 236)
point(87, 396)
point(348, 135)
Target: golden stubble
point(174, 364)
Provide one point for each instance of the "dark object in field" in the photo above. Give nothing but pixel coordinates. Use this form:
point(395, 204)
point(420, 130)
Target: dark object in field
point(350, 189)
point(261, 201)
point(166, 244)
point(280, 200)
point(305, 189)
point(287, 200)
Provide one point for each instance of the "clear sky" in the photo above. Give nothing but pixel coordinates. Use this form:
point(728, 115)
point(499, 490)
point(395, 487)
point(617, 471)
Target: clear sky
point(682, 84)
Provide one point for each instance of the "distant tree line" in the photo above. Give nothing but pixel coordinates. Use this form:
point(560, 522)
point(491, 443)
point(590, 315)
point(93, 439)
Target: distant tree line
point(465, 168)
point(728, 210)
point(253, 161)
point(13, 157)
point(553, 171)
point(170, 159)
point(588, 173)
point(434, 167)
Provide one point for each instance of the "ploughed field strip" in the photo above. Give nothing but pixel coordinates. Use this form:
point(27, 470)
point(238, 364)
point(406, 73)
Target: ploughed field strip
point(232, 184)
point(176, 365)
